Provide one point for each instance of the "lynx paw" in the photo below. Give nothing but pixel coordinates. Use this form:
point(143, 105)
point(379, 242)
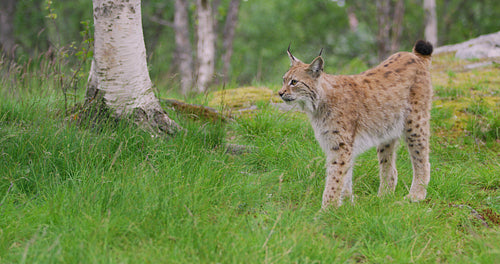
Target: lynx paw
point(330, 203)
point(416, 197)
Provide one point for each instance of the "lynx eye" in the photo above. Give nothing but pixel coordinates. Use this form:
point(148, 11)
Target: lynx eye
point(293, 82)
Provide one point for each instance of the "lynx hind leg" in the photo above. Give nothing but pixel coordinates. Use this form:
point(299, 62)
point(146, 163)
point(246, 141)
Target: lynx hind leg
point(417, 135)
point(388, 173)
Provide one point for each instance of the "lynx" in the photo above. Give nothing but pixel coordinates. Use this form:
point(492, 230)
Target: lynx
point(352, 113)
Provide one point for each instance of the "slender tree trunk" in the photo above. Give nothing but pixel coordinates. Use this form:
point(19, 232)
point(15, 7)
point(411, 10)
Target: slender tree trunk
point(7, 42)
point(390, 16)
point(215, 10)
point(119, 76)
point(397, 25)
point(183, 45)
point(383, 41)
point(227, 44)
point(205, 45)
point(431, 29)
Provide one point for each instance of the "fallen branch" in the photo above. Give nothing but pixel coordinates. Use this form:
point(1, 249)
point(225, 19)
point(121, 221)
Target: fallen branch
point(161, 21)
point(475, 213)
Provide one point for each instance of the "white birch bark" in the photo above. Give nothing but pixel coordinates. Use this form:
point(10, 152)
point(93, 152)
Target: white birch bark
point(431, 31)
point(205, 45)
point(183, 45)
point(120, 71)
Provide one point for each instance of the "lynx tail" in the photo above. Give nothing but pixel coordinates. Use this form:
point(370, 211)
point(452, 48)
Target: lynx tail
point(423, 47)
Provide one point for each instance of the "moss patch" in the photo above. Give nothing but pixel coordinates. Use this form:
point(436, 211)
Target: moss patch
point(240, 98)
point(466, 102)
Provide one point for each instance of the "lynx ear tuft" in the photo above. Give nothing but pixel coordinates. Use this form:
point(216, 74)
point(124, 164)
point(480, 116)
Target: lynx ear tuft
point(293, 60)
point(316, 67)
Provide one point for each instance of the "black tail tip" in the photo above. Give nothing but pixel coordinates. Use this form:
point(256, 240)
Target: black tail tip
point(423, 47)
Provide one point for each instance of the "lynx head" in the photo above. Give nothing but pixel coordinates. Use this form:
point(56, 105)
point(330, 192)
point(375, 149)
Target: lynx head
point(299, 83)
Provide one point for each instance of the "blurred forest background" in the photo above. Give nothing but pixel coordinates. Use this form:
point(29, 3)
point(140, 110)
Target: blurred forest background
point(250, 37)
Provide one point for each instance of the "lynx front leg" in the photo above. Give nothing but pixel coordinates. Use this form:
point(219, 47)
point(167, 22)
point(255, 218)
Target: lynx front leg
point(346, 194)
point(388, 173)
point(338, 178)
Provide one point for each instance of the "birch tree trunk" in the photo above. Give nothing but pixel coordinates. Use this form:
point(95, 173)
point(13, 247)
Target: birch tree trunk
point(183, 45)
point(205, 45)
point(119, 76)
point(431, 31)
point(227, 44)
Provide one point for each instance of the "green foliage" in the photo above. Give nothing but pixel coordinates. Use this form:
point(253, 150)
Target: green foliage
point(265, 28)
point(262, 43)
point(471, 19)
point(42, 25)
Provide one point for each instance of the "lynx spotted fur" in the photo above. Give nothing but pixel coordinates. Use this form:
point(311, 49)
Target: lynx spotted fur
point(352, 113)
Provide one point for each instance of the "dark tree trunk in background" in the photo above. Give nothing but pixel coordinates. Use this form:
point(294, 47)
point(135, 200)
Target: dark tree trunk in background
point(7, 42)
point(227, 44)
point(431, 29)
point(389, 19)
point(383, 9)
point(215, 10)
point(397, 26)
point(183, 45)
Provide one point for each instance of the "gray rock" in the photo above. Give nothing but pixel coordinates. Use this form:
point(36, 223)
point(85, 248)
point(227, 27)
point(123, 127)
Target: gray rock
point(485, 46)
point(478, 51)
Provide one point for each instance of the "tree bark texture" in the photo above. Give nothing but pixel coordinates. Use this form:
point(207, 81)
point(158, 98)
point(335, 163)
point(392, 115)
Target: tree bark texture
point(119, 73)
point(7, 42)
point(397, 25)
point(390, 16)
point(205, 45)
point(183, 45)
point(431, 28)
point(227, 44)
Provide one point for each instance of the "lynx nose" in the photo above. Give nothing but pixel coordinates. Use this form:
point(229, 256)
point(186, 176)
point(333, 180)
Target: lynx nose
point(281, 93)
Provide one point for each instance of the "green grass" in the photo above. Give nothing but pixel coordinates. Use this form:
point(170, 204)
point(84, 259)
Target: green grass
point(466, 101)
point(72, 194)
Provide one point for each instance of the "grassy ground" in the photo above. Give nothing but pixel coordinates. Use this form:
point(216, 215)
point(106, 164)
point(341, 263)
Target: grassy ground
point(115, 194)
